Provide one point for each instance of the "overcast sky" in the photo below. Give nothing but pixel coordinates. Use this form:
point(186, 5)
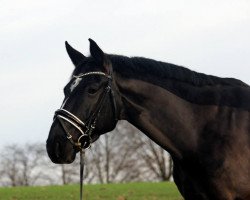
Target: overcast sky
point(208, 36)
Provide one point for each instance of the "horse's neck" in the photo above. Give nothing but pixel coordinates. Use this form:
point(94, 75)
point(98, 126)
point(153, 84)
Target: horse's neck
point(167, 119)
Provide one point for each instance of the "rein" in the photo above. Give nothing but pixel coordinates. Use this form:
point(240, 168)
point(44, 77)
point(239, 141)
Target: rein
point(85, 128)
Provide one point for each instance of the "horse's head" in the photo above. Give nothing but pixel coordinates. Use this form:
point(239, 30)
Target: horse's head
point(89, 106)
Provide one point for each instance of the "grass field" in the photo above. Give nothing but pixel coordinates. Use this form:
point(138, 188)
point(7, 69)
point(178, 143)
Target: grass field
point(130, 191)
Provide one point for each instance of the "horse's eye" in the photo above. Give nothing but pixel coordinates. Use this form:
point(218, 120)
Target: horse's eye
point(92, 90)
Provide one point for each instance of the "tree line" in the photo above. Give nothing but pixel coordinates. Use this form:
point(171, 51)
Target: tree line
point(124, 155)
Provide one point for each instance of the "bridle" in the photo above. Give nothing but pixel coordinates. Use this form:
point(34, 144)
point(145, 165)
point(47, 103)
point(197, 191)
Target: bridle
point(85, 127)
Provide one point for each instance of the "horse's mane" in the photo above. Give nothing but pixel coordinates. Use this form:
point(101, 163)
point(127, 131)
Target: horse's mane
point(138, 67)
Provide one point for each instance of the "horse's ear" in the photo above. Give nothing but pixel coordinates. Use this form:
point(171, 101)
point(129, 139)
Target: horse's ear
point(75, 56)
point(100, 56)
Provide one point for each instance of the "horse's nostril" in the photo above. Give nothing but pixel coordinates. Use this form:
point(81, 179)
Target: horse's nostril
point(57, 150)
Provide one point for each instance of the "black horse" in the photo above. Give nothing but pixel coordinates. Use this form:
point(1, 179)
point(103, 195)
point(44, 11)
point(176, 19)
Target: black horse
point(203, 121)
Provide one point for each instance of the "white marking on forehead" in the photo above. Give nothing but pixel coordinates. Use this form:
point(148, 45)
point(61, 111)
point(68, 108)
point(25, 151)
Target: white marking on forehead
point(75, 83)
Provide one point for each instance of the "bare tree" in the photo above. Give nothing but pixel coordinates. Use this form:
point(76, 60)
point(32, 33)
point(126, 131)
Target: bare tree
point(29, 157)
point(23, 165)
point(70, 173)
point(124, 155)
point(128, 155)
point(155, 162)
point(114, 157)
point(9, 166)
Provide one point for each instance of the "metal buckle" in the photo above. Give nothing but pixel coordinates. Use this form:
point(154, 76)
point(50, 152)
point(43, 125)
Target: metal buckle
point(69, 137)
point(84, 141)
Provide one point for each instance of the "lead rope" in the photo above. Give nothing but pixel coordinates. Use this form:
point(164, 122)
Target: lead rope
point(82, 154)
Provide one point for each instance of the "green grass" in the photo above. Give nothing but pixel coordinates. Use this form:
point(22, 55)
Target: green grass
point(129, 191)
